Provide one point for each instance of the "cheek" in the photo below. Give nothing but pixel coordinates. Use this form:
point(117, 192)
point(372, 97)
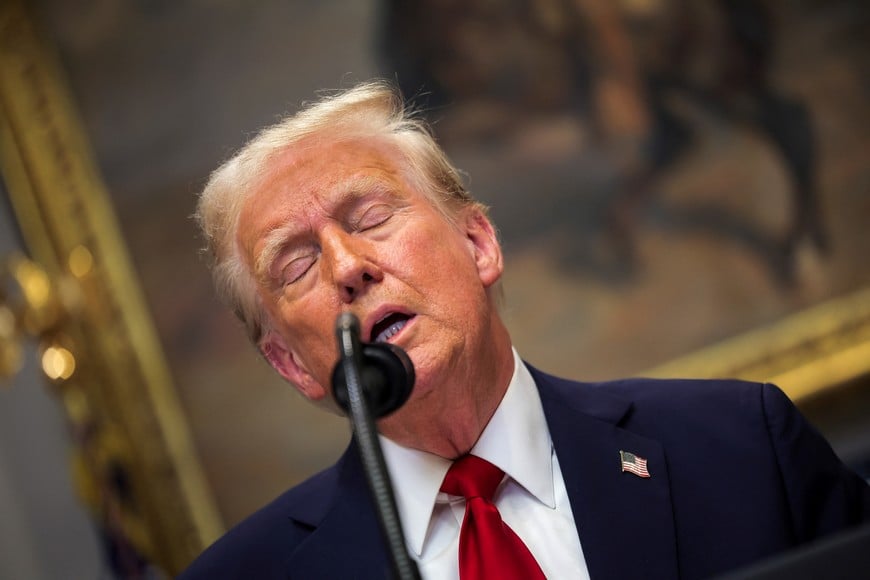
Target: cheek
point(308, 326)
point(439, 252)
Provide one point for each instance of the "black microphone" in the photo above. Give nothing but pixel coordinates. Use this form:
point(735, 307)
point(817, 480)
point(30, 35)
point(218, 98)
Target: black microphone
point(386, 372)
point(373, 380)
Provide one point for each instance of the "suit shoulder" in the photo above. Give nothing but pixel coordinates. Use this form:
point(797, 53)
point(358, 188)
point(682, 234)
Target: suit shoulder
point(259, 544)
point(656, 398)
point(681, 395)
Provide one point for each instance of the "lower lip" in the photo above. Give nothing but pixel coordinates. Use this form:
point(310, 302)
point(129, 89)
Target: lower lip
point(402, 330)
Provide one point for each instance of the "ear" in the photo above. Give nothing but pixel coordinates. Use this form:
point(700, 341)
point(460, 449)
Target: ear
point(281, 358)
point(487, 249)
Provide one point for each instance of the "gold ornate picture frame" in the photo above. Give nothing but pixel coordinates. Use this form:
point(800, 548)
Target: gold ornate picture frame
point(809, 354)
point(78, 294)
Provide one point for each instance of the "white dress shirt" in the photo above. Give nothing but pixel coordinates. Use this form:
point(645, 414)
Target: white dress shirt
point(532, 498)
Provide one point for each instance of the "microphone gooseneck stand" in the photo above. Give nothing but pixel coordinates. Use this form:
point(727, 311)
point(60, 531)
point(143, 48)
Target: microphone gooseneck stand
point(380, 375)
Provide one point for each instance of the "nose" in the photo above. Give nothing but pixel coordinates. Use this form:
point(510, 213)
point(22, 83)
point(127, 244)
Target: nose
point(350, 260)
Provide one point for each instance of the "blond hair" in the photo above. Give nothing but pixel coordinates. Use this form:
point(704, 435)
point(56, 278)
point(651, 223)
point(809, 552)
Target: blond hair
point(369, 110)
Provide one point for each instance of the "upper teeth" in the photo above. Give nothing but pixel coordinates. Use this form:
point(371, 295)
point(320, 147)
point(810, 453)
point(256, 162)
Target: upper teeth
point(386, 334)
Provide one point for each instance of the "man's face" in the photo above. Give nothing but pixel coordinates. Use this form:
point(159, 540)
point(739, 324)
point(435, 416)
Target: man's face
point(338, 227)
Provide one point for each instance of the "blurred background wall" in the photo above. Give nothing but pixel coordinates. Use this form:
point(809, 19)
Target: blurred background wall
point(665, 174)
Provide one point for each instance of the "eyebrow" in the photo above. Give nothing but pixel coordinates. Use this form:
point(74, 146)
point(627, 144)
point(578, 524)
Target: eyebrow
point(357, 188)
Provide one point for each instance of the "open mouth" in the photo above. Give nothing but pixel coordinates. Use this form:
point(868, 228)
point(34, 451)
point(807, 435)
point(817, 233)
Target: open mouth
point(388, 326)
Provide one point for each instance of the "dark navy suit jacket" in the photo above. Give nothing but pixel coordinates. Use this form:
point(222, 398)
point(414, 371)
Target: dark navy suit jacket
point(736, 474)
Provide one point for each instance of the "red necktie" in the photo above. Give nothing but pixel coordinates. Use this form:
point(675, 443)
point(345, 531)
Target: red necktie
point(488, 548)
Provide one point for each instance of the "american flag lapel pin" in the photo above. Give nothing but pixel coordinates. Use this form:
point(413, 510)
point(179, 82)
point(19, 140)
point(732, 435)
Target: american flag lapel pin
point(633, 463)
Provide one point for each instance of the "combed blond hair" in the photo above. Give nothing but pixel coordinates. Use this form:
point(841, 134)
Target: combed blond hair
point(369, 110)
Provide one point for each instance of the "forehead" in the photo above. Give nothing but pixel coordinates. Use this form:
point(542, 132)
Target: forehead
point(315, 174)
point(315, 171)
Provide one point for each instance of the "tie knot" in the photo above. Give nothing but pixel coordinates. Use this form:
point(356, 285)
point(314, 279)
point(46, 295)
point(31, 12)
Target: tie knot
point(471, 476)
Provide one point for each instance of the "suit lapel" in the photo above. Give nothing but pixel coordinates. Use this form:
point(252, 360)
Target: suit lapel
point(625, 522)
point(346, 541)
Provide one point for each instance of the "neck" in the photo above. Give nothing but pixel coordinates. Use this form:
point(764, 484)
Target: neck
point(449, 420)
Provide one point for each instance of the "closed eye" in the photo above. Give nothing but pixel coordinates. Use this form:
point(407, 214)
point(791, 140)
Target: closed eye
point(297, 268)
point(374, 216)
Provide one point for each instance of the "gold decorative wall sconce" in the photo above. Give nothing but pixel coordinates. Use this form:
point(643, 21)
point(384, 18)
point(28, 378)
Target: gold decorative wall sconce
point(33, 305)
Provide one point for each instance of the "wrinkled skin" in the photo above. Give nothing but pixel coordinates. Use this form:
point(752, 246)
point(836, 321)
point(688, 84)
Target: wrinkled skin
point(337, 226)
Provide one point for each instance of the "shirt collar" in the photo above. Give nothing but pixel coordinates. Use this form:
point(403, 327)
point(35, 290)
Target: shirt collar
point(416, 477)
point(516, 440)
